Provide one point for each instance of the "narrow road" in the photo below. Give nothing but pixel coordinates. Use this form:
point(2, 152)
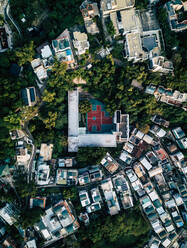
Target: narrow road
point(7, 14)
point(33, 154)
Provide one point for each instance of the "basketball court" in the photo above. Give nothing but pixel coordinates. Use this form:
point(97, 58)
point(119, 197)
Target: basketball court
point(98, 119)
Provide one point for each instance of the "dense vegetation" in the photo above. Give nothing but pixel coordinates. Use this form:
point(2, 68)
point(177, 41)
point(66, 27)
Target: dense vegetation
point(49, 18)
point(127, 230)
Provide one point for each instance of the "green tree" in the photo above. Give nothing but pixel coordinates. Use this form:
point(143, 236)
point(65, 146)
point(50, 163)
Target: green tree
point(110, 28)
point(29, 217)
point(48, 96)
point(25, 54)
point(84, 107)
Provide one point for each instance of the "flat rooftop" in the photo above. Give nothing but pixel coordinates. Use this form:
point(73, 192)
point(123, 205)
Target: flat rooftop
point(130, 20)
point(134, 46)
point(73, 113)
point(97, 140)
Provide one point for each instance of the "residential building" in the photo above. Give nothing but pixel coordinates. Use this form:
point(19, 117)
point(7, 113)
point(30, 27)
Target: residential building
point(46, 151)
point(66, 177)
point(43, 171)
point(109, 6)
point(39, 70)
point(122, 187)
point(90, 10)
point(109, 164)
point(110, 196)
point(29, 96)
point(157, 131)
point(22, 155)
point(93, 207)
point(160, 64)
point(133, 47)
point(126, 157)
point(95, 173)
point(62, 47)
point(96, 196)
point(9, 214)
point(31, 244)
point(84, 178)
point(125, 21)
point(5, 38)
point(46, 55)
point(160, 121)
point(145, 163)
point(65, 162)
point(128, 147)
point(175, 98)
point(176, 15)
point(122, 126)
point(140, 172)
point(58, 222)
point(84, 198)
point(178, 133)
point(80, 42)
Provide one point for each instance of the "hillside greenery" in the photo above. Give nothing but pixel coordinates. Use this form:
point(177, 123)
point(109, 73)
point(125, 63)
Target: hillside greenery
point(127, 230)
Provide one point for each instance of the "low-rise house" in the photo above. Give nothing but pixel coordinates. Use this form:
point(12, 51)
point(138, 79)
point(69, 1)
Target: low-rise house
point(84, 178)
point(90, 10)
point(62, 47)
point(109, 6)
point(9, 214)
point(160, 121)
point(157, 131)
point(31, 244)
point(150, 89)
point(128, 147)
point(155, 171)
point(178, 133)
point(160, 64)
point(22, 155)
point(39, 70)
point(109, 164)
point(145, 163)
point(29, 96)
point(84, 198)
point(66, 176)
point(93, 207)
point(96, 196)
point(95, 173)
point(43, 171)
point(122, 187)
point(140, 172)
point(151, 156)
point(110, 196)
point(126, 157)
point(46, 55)
point(46, 151)
point(80, 43)
point(148, 208)
point(65, 162)
point(58, 222)
point(182, 143)
point(175, 98)
point(176, 15)
point(148, 139)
